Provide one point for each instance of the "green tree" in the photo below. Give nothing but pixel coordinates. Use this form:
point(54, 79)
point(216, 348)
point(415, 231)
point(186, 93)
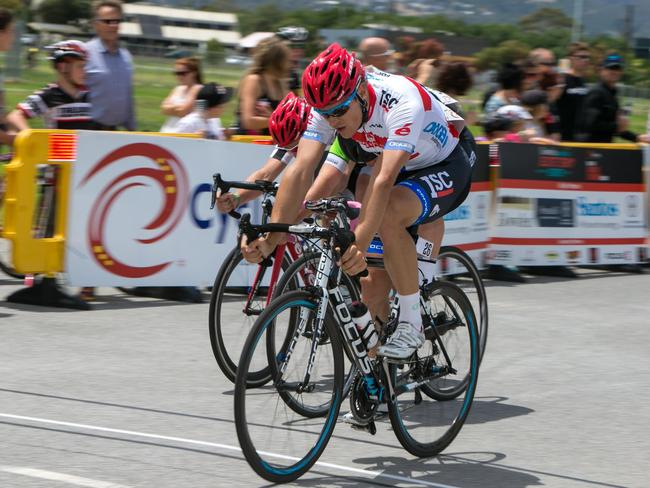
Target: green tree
point(507, 51)
point(64, 11)
point(11, 5)
point(545, 19)
point(214, 52)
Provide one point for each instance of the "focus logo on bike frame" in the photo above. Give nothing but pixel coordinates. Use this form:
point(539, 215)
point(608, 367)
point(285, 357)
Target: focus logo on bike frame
point(350, 330)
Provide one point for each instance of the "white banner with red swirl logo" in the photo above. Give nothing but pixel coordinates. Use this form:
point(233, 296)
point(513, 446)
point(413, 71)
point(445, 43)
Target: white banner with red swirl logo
point(139, 210)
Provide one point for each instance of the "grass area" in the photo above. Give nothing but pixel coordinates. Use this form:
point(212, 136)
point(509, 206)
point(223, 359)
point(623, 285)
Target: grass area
point(154, 80)
point(152, 83)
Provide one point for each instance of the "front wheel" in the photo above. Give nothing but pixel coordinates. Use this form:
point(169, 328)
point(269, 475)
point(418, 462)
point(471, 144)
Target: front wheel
point(445, 369)
point(278, 442)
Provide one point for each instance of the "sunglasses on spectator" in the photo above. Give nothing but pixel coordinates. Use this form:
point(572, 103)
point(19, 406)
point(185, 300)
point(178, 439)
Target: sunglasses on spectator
point(389, 52)
point(550, 64)
point(531, 74)
point(109, 21)
point(181, 73)
point(582, 56)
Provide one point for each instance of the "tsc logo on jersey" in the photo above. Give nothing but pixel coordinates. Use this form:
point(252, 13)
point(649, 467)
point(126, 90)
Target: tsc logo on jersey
point(403, 131)
point(439, 132)
point(440, 183)
point(387, 101)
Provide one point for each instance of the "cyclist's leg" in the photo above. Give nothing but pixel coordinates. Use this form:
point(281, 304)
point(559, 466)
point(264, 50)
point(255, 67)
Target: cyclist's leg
point(433, 232)
point(375, 289)
point(421, 197)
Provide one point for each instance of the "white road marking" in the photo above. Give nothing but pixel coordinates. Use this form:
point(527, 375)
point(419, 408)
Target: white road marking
point(363, 472)
point(65, 478)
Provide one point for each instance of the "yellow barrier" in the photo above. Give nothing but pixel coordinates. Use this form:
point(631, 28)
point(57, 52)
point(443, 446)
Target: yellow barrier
point(32, 255)
point(31, 148)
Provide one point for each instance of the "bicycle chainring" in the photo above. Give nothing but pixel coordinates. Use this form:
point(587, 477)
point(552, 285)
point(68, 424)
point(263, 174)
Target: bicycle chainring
point(363, 408)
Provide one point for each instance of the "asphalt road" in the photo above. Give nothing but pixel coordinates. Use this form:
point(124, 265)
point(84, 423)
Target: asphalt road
point(129, 395)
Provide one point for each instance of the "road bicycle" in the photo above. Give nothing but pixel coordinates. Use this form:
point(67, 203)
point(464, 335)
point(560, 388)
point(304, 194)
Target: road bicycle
point(428, 396)
point(451, 265)
point(249, 286)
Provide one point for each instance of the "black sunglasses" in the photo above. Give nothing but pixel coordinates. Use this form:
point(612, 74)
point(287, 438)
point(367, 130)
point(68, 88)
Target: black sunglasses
point(180, 73)
point(582, 56)
point(109, 21)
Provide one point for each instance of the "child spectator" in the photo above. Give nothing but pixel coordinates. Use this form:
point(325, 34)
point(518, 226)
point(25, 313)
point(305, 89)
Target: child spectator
point(64, 104)
point(205, 119)
point(522, 129)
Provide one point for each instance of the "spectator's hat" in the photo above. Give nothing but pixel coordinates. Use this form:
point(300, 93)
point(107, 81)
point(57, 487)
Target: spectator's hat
point(613, 61)
point(514, 112)
point(531, 98)
point(214, 94)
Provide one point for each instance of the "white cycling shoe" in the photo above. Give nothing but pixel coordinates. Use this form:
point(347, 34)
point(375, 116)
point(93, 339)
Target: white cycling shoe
point(403, 342)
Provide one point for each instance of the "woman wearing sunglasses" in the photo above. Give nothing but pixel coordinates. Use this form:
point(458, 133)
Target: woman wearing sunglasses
point(422, 171)
point(180, 101)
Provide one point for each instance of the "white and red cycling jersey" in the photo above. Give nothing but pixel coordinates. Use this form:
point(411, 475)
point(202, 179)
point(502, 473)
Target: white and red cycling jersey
point(402, 115)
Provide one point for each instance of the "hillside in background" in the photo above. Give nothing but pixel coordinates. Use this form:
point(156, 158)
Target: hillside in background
point(600, 16)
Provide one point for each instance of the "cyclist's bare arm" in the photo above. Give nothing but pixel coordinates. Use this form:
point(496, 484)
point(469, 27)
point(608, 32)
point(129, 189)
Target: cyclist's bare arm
point(269, 172)
point(329, 181)
point(291, 194)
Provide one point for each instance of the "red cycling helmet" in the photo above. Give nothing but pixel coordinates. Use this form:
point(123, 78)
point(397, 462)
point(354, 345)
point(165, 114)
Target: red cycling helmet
point(289, 120)
point(331, 77)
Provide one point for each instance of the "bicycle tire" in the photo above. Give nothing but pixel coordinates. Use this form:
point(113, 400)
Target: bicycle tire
point(225, 354)
point(259, 440)
point(450, 415)
point(453, 252)
point(291, 280)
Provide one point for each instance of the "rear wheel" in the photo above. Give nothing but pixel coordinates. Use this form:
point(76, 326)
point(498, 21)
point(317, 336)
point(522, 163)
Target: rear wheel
point(445, 369)
point(230, 325)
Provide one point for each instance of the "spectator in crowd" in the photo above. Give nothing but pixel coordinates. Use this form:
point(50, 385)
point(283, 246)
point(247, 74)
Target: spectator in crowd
point(455, 79)
point(205, 119)
point(263, 86)
point(544, 59)
point(552, 84)
point(64, 104)
point(520, 129)
point(296, 37)
point(376, 51)
point(510, 79)
point(109, 70)
point(532, 74)
point(600, 117)
point(536, 102)
point(180, 100)
point(6, 38)
point(570, 101)
point(496, 127)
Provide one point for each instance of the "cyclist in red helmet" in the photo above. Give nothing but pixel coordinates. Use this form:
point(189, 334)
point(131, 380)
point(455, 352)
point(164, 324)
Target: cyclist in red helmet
point(422, 172)
point(286, 124)
point(64, 104)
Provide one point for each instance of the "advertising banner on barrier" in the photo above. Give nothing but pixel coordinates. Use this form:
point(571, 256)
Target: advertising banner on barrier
point(569, 205)
point(468, 226)
point(140, 209)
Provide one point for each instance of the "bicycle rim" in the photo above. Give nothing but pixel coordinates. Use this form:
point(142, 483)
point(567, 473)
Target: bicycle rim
point(279, 443)
point(426, 424)
point(232, 314)
point(457, 267)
